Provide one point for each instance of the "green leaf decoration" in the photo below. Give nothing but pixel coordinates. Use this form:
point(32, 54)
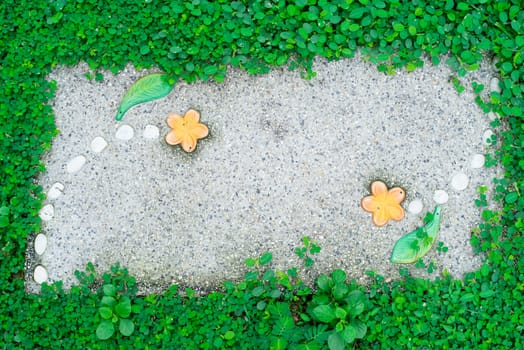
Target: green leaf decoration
point(148, 88)
point(411, 247)
point(126, 327)
point(105, 330)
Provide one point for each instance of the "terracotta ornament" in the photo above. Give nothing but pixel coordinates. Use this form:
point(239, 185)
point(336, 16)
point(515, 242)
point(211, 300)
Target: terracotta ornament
point(186, 130)
point(384, 204)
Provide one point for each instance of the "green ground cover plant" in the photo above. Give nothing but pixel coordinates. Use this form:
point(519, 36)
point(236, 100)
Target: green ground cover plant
point(199, 39)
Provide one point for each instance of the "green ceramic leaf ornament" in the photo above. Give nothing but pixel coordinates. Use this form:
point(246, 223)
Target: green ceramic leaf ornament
point(414, 245)
point(148, 88)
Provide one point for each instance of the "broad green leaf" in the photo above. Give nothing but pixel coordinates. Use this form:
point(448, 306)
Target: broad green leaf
point(105, 312)
point(126, 327)
point(323, 282)
point(4, 221)
point(404, 252)
point(148, 88)
point(340, 313)
point(105, 330)
point(308, 346)
point(336, 342)
point(360, 328)
point(356, 303)
point(257, 291)
point(324, 313)
point(278, 344)
point(338, 276)
point(349, 334)
point(123, 308)
point(4, 210)
point(511, 197)
point(340, 291)
point(266, 258)
point(108, 301)
point(109, 290)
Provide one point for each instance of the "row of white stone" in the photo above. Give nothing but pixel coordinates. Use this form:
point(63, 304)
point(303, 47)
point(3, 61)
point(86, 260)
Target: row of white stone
point(459, 182)
point(98, 144)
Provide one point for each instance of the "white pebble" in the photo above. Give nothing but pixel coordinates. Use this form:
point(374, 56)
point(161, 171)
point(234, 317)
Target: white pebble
point(40, 244)
point(415, 206)
point(75, 164)
point(151, 132)
point(47, 212)
point(477, 161)
point(125, 132)
point(459, 181)
point(487, 136)
point(440, 197)
point(98, 144)
point(40, 274)
point(494, 85)
point(56, 190)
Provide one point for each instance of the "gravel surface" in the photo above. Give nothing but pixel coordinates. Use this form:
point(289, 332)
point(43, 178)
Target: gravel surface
point(285, 158)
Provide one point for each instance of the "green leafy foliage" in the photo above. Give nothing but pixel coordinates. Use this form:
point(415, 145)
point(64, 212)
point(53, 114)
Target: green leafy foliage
point(116, 307)
point(339, 304)
point(193, 40)
point(308, 248)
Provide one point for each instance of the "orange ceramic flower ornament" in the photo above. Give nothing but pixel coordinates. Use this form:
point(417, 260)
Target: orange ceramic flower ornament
point(384, 204)
point(185, 130)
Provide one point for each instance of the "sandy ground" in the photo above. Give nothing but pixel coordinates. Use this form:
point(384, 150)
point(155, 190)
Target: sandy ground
point(286, 157)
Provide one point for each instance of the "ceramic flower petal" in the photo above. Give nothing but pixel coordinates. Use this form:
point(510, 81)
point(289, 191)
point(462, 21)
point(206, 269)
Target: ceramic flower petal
point(172, 138)
point(188, 143)
point(369, 204)
point(398, 194)
point(173, 119)
point(383, 204)
point(200, 131)
point(378, 188)
point(395, 212)
point(192, 117)
point(380, 218)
